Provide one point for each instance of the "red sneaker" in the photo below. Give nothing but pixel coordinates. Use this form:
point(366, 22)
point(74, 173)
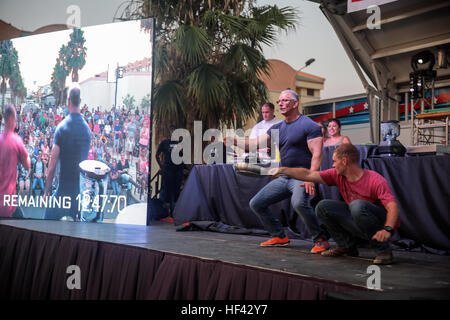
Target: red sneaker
point(275, 242)
point(320, 246)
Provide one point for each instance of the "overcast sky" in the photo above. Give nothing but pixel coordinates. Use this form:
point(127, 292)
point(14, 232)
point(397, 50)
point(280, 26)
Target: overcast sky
point(314, 38)
point(105, 44)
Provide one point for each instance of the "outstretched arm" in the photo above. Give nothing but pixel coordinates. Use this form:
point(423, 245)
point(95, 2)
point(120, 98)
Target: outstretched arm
point(298, 173)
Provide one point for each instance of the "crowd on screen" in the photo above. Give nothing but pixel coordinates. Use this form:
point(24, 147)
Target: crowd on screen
point(118, 134)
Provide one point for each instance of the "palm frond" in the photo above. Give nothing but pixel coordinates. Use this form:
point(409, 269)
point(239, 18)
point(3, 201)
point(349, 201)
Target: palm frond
point(243, 56)
point(207, 88)
point(193, 43)
point(169, 102)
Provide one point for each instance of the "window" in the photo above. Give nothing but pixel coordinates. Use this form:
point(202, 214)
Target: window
point(310, 92)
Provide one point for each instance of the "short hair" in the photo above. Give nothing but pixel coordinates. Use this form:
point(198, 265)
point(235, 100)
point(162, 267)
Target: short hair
point(10, 112)
point(74, 95)
point(269, 104)
point(337, 121)
point(294, 94)
point(348, 151)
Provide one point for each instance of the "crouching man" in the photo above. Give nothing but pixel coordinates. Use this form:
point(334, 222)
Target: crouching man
point(370, 211)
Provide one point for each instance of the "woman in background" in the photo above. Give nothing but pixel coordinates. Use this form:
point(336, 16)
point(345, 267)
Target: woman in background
point(334, 132)
point(144, 135)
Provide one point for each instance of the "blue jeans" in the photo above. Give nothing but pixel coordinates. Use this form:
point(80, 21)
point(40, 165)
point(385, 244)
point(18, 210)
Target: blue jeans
point(41, 183)
point(348, 223)
point(280, 189)
point(125, 178)
point(115, 186)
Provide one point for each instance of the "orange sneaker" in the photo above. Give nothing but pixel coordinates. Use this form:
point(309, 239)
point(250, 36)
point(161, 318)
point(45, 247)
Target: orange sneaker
point(275, 242)
point(320, 246)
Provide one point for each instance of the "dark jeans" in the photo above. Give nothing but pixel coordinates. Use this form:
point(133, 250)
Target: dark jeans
point(348, 223)
point(172, 178)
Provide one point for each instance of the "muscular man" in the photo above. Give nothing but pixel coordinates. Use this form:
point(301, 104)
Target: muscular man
point(12, 151)
point(70, 147)
point(300, 145)
point(370, 211)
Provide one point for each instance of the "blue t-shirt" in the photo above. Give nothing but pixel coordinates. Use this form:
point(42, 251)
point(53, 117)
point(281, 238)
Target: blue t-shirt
point(117, 127)
point(73, 137)
point(293, 137)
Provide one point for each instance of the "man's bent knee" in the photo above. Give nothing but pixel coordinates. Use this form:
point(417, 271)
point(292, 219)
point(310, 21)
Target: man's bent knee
point(255, 205)
point(321, 208)
point(357, 207)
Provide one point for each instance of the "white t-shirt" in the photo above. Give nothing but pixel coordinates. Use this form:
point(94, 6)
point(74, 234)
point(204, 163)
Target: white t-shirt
point(262, 127)
point(107, 129)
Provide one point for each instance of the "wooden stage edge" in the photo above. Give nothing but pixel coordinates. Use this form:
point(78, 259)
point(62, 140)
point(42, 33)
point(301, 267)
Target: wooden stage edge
point(413, 275)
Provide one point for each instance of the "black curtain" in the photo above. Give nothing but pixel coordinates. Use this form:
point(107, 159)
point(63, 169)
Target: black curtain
point(33, 266)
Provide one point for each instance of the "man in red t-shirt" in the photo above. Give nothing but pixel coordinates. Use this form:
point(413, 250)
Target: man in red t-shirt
point(12, 150)
point(369, 210)
point(57, 119)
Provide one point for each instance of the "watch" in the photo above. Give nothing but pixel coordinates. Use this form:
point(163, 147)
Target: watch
point(389, 229)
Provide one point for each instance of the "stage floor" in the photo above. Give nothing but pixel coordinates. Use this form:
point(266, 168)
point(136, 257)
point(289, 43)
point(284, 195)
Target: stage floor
point(412, 276)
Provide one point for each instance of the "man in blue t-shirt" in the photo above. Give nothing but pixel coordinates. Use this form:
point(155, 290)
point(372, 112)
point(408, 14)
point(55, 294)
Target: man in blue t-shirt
point(70, 147)
point(300, 145)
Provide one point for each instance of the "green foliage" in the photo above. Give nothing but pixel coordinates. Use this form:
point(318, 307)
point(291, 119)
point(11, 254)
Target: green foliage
point(71, 58)
point(129, 101)
point(59, 75)
point(10, 72)
point(208, 59)
point(76, 53)
point(146, 102)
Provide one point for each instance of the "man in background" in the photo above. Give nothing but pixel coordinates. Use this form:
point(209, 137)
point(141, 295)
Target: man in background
point(269, 119)
point(172, 174)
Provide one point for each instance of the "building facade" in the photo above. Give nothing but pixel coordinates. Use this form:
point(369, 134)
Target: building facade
point(281, 77)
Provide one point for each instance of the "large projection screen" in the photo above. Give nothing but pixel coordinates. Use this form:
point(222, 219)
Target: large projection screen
point(83, 126)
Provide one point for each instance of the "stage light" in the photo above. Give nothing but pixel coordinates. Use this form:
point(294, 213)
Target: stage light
point(423, 61)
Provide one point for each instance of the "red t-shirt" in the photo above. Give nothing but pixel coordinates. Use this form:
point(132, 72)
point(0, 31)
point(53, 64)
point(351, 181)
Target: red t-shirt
point(12, 150)
point(371, 187)
point(57, 119)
